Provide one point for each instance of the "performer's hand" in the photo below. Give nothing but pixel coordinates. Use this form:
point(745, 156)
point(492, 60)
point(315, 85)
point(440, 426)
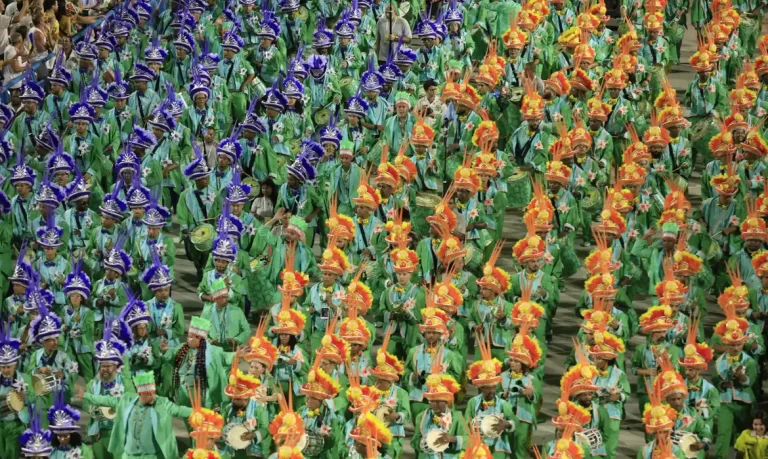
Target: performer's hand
point(698, 446)
point(248, 436)
point(445, 439)
point(163, 346)
point(44, 371)
point(232, 343)
point(615, 397)
point(528, 391)
point(291, 361)
point(392, 416)
point(79, 391)
point(502, 425)
point(160, 332)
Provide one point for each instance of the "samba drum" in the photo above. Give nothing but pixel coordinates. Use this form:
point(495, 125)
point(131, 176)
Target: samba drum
point(12, 404)
point(684, 441)
point(44, 384)
point(702, 132)
point(303, 13)
point(516, 94)
point(591, 437)
point(105, 413)
point(321, 117)
point(519, 189)
point(202, 237)
point(134, 271)
point(348, 86)
point(313, 445)
point(232, 435)
point(427, 199)
point(295, 146)
point(429, 442)
point(382, 412)
point(255, 187)
point(591, 200)
point(487, 425)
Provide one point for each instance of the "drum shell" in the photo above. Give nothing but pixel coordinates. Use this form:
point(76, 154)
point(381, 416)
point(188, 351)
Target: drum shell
point(203, 244)
point(10, 403)
point(231, 435)
point(44, 384)
point(519, 189)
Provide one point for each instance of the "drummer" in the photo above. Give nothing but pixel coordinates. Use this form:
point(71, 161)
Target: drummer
point(485, 375)
point(36, 441)
point(319, 416)
point(386, 374)
point(12, 424)
point(48, 364)
point(197, 205)
point(80, 218)
point(154, 220)
point(440, 417)
point(403, 301)
point(112, 379)
point(671, 387)
point(325, 298)
point(659, 418)
point(706, 96)
point(242, 410)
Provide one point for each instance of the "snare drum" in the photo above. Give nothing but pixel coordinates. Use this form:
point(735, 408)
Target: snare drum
point(104, 413)
point(44, 384)
point(348, 86)
point(592, 200)
point(12, 404)
point(519, 189)
point(702, 132)
point(591, 437)
point(255, 187)
point(202, 237)
point(313, 446)
point(382, 412)
point(427, 199)
point(232, 435)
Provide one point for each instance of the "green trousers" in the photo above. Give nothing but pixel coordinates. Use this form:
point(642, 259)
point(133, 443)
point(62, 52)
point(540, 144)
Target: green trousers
point(610, 430)
point(85, 365)
point(10, 431)
point(522, 437)
point(101, 445)
point(732, 419)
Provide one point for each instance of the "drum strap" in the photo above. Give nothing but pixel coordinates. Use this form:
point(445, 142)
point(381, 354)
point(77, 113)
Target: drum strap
point(229, 73)
point(141, 107)
point(200, 203)
point(672, 157)
point(520, 152)
point(557, 212)
point(362, 233)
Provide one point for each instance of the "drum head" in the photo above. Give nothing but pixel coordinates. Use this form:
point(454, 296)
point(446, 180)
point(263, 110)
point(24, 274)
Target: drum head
point(38, 385)
point(302, 442)
point(321, 117)
point(201, 234)
point(255, 186)
point(488, 426)
point(16, 401)
point(432, 441)
point(233, 437)
point(685, 443)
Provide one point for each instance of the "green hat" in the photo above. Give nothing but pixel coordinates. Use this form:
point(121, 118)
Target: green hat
point(199, 327)
point(455, 65)
point(403, 97)
point(144, 382)
point(346, 148)
point(219, 289)
point(670, 228)
point(299, 225)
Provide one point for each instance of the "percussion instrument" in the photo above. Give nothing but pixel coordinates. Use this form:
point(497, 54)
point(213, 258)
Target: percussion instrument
point(427, 200)
point(303, 13)
point(591, 200)
point(519, 189)
point(516, 94)
point(684, 441)
point(104, 413)
point(12, 404)
point(348, 86)
point(591, 437)
point(134, 271)
point(295, 146)
point(202, 237)
point(232, 435)
point(487, 425)
point(255, 187)
point(382, 412)
point(313, 446)
point(321, 117)
point(702, 132)
point(700, 128)
point(44, 384)
point(429, 442)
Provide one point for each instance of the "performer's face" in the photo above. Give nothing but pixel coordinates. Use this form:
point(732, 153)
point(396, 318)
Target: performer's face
point(489, 392)
point(753, 244)
point(30, 107)
point(107, 371)
point(75, 299)
point(313, 403)
point(162, 294)
point(383, 384)
point(63, 439)
point(438, 406)
point(735, 349)
point(692, 374)
point(7, 371)
point(147, 398)
point(676, 401)
point(193, 341)
point(585, 398)
point(140, 331)
point(403, 278)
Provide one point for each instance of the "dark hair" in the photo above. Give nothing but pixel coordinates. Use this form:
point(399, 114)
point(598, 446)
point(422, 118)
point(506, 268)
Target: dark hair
point(762, 416)
point(200, 369)
point(430, 84)
point(270, 182)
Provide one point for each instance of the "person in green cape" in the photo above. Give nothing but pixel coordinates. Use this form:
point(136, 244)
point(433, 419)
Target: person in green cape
point(230, 327)
point(146, 421)
point(440, 389)
point(491, 314)
point(197, 362)
point(485, 374)
point(11, 380)
point(78, 325)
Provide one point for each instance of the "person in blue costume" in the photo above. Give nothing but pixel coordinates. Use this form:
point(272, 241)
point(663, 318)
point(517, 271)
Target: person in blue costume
point(12, 380)
point(143, 99)
point(23, 179)
point(36, 441)
point(59, 98)
point(67, 441)
point(32, 121)
point(77, 317)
